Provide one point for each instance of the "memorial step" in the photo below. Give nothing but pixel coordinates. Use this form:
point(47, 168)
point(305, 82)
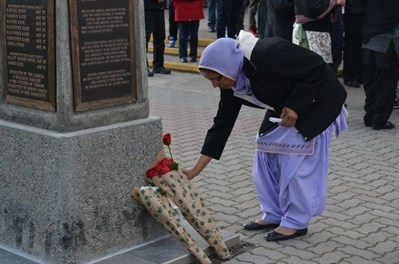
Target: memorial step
point(167, 250)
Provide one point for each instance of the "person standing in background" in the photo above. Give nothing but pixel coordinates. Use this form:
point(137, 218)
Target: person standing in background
point(337, 39)
point(188, 15)
point(211, 4)
point(227, 16)
point(172, 25)
point(280, 18)
point(315, 28)
point(380, 38)
point(262, 18)
point(241, 15)
point(353, 21)
point(252, 10)
point(155, 25)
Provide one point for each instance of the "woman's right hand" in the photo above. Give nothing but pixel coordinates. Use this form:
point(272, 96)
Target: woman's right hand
point(200, 164)
point(190, 173)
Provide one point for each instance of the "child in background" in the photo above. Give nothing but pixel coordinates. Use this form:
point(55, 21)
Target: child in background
point(188, 14)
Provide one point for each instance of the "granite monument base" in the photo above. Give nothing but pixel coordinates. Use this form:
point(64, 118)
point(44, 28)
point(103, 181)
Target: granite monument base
point(65, 196)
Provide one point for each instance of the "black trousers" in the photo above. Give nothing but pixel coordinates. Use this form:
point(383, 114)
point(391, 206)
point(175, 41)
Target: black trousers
point(155, 25)
point(188, 32)
point(172, 23)
point(352, 48)
point(380, 81)
point(228, 12)
point(337, 42)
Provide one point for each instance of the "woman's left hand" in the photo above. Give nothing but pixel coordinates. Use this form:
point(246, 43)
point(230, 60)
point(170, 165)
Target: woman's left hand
point(288, 117)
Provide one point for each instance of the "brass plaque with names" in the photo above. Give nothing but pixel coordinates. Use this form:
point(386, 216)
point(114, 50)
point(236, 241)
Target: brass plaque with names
point(29, 53)
point(103, 53)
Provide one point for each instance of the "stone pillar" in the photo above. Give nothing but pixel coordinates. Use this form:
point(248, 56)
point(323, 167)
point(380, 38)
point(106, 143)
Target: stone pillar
point(75, 130)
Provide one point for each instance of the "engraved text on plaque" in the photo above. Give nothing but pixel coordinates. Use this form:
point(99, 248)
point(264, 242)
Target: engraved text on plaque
point(103, 53)
point(29, 53)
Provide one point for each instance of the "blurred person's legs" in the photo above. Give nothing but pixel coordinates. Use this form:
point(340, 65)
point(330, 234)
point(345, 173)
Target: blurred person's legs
point(149, 28)
point(222, 17)
point(352, 73)
point(235, 19)
point(211, 15)
point(193, 31)
point(337, 43)
point(184, 31)
point(158, 35)
point(380, 84)
point(262, 16)
point(172, 26)
point(252, 10)
point(241, 16)
point(226, 18)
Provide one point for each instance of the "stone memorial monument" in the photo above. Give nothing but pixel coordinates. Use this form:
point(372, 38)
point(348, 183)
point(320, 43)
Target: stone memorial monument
point(75, 130)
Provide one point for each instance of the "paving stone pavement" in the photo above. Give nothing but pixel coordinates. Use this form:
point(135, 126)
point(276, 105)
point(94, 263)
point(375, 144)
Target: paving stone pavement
point(361, 221)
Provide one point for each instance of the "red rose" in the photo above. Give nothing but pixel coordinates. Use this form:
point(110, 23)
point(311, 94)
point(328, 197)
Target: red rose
point(167, 139)
point(163, 167)
point(151, 173)
point(166, 164)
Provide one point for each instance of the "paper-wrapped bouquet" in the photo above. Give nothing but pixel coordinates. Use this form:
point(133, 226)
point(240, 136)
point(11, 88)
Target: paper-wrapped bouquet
point(170, 184)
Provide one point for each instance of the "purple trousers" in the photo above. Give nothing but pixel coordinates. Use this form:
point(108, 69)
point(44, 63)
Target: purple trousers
point(290, 175)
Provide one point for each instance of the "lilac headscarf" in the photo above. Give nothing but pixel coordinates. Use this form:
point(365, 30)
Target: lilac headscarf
point(225, 57)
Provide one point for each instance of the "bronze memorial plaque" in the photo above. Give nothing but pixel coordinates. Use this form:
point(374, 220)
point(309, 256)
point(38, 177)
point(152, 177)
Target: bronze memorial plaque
point(103, 53)
point(29, 53)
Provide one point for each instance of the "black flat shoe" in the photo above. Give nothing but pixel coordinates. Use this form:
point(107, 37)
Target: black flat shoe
point(354, 84)
point(161, 70)
point(255, 226)
point(275, 236)
point(387, 125)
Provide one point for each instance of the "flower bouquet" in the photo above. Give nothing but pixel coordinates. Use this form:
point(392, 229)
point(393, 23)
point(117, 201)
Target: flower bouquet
point(175, 186)
point(157, 204)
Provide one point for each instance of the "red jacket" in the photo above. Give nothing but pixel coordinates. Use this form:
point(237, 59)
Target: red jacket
point(188, 10)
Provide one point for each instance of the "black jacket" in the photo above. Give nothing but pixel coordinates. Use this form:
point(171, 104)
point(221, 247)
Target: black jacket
point(355, 7)
point(280, 18)
point(381, 17)
point(282, 74)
